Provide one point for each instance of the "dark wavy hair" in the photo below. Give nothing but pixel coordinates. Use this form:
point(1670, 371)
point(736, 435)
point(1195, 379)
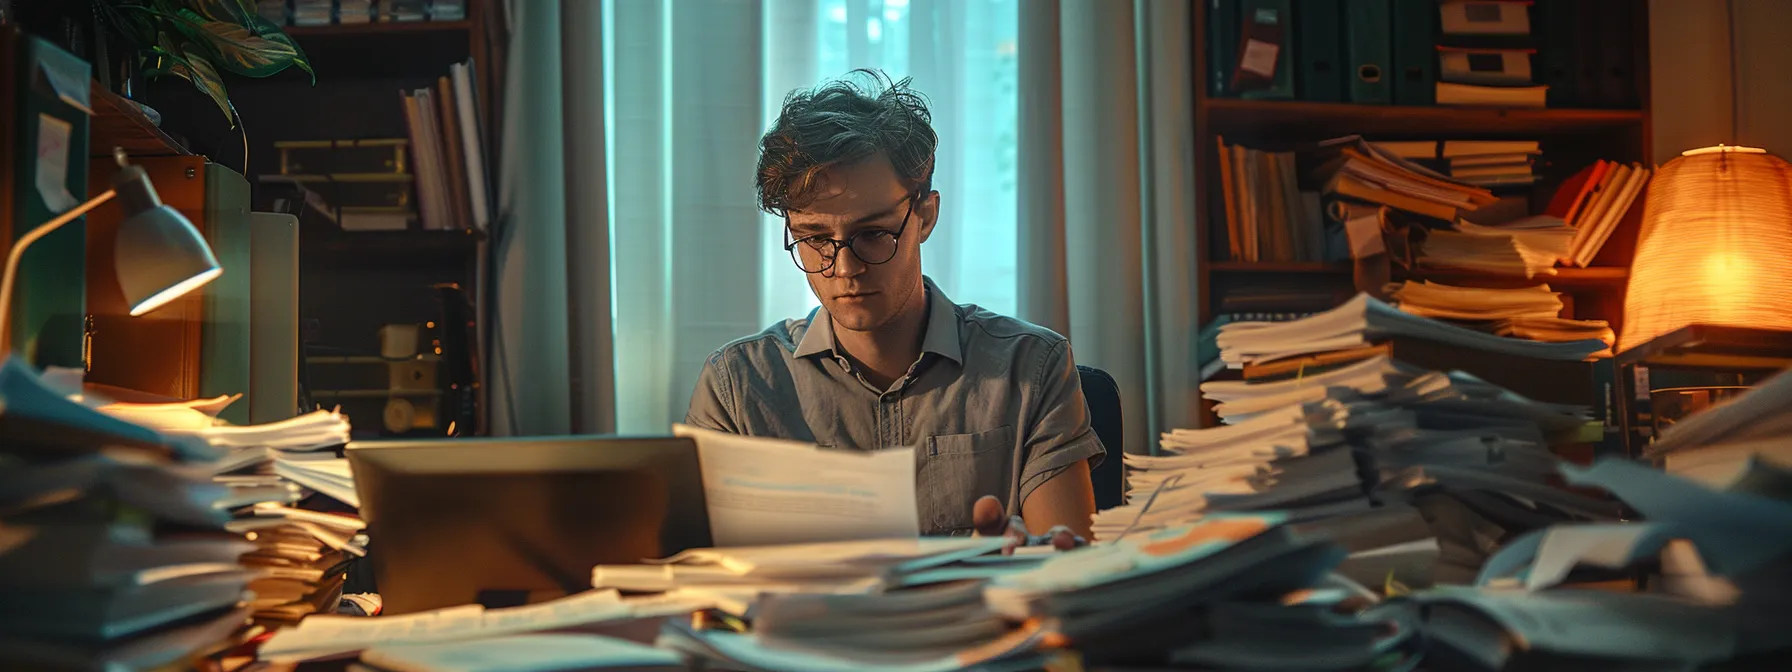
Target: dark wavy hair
point(841, 122)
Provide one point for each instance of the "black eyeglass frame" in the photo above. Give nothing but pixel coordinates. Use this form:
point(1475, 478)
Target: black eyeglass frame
point(847, 244)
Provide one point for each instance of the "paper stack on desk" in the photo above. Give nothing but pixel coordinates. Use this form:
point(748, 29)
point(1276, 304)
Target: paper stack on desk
point(1233, 591)
point(299, 555)
point(734, 578)
point(326, 637)
point(1464, 464)
point(1724, 556)
point(113, 552)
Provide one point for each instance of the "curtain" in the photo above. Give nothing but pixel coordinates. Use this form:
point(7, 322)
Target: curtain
point(549, 368)
point(1107, 184)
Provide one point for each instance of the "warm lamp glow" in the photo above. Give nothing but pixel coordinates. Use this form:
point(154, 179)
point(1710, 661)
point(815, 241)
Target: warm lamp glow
point(1716, 245)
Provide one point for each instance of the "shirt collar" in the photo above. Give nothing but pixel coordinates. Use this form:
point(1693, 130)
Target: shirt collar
point(942, 337)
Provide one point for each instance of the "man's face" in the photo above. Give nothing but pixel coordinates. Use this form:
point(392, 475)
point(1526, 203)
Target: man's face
point(868, 200)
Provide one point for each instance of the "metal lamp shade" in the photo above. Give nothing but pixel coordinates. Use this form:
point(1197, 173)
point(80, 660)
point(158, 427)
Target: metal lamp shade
point(1716, 246)
point(160, 257)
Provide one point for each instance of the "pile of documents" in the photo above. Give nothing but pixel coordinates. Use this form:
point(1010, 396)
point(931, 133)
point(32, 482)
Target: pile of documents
point(299, 555)
point(734, 578)
point(113, 551)
point(1724, 559)
point(1364, 320)
point(326, 637)
point(1232, 591)
point(1525, 312)
point(1356, 169)
point(1523, 248)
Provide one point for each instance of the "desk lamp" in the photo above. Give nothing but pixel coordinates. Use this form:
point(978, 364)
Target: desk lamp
point(1716, 246)
point(160, 256)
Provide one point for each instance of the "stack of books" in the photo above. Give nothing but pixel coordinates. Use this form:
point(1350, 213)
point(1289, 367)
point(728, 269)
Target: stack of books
point(403, 10)
point(313, 12)
point(1485, 163)
point(1484, 55)
point(115, 553)
point(354, 11)
point(447, 155)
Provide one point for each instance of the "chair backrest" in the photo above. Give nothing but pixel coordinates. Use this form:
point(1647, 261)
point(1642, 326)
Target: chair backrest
point(1102, 395)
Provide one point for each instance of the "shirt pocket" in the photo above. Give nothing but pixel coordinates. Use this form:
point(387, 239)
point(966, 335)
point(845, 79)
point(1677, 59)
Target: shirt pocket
point(957, 469)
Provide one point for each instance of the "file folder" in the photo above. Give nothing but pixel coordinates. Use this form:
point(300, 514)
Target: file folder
point(1320, 41)
point(1415, 52)
point(1367, 51)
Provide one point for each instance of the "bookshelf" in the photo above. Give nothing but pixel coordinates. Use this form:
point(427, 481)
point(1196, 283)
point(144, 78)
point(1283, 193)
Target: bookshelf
point(1571, 139)
point(354, 282)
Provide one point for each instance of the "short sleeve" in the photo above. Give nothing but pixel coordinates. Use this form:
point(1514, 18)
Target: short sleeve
point(1057, 427)
point(710, 408)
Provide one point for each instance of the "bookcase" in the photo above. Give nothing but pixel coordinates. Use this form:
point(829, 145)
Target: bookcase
point(351, 282)
point(1571, 139)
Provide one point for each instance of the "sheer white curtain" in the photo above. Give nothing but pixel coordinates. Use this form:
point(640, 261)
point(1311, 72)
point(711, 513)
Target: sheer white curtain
point(691, 85)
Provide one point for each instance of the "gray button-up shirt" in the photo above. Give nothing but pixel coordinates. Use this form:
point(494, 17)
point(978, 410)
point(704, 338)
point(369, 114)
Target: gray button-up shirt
point(994, 405)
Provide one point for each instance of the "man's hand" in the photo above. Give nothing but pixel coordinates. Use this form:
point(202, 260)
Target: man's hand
point(989, 520)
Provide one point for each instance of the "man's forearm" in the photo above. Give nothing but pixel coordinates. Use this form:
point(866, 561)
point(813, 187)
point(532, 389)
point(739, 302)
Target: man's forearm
point(1067, 499)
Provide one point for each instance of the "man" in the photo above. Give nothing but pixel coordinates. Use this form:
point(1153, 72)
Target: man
point(992, 405)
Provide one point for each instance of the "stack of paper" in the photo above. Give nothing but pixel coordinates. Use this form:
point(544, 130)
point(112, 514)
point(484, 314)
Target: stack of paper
point(1215, 594)
point(1527, 312)
point(113, 552)
point(1723, 554)
point(1491, 254)
point(301, 556)
point(946, 627)
point(1431, 299)
point(1328, 449)
point(540, 652)
point(1359, 170)
point(734, 578)
point(327, 637)
point(1524, 248)
point(1362, 321)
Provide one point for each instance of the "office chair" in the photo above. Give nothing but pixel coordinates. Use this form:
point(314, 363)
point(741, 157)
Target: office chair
point(1102, 395)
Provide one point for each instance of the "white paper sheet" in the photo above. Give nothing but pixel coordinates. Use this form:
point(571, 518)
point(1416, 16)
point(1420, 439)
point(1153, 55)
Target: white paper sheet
point(765, 491)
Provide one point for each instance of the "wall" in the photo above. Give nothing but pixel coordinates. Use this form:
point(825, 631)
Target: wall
point(1690, 51)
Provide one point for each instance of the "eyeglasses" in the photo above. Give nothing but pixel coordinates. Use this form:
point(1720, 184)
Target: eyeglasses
point(816, 254)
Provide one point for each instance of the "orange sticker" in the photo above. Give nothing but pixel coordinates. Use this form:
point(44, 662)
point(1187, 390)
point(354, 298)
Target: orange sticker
point(1231, 530)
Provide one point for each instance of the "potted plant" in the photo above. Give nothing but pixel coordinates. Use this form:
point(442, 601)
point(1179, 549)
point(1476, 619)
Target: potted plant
point(198, 40)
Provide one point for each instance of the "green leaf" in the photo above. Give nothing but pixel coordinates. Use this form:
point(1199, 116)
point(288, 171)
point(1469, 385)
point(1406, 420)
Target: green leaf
point(240, 51)
point(201, 73)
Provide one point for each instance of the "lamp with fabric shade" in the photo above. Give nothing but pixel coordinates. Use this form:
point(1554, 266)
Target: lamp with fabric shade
point(160, 256)
point(1715, 247)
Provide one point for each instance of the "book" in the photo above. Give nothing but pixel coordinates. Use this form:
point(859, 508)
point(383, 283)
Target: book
point(1451, 93)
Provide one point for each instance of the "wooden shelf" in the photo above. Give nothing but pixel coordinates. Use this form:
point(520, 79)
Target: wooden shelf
point(379, 28)
point(118, 122)
point(1300, 118)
